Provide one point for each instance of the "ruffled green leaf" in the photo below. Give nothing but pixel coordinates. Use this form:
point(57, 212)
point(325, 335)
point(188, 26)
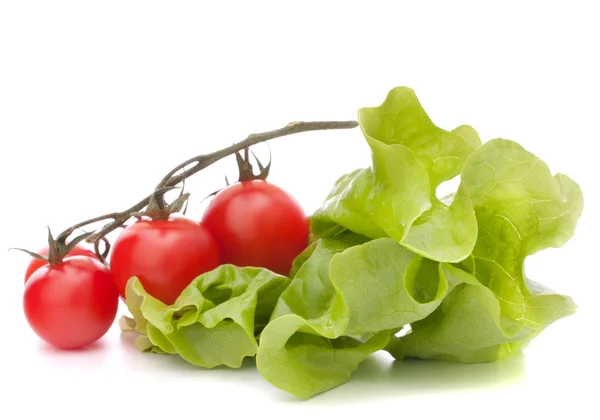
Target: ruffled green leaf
point(215, 319)
point(342, 305)
point(445, 232)
point(312, 295)
point(396, 196)
point(366, 201)
point(296, 358)
point(521, 209)
point(379, 282)
point(401, 119)
point(467, 327)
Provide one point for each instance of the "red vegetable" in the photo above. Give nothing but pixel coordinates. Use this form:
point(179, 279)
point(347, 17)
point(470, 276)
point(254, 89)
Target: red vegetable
point(166, 255)
point(72, 303)
point(256, 223)
point(36, 263)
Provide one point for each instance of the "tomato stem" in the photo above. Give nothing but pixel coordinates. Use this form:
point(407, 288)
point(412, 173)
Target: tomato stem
point(185, 170)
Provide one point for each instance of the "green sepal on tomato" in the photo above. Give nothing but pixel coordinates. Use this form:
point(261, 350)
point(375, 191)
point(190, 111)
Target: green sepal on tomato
point(36, 263)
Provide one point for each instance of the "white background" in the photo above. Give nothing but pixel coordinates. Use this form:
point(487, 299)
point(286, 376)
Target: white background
point(99, 99)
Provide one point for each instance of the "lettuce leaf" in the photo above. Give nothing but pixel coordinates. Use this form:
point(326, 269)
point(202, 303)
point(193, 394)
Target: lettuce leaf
point(396, 196)
point(344, 302)
point(214, 321)
point(467, 327)
point(401, 120)
point(521, 209)
point(294, 357)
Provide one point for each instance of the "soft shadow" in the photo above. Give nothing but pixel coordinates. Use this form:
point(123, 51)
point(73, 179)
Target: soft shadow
point(379, 378)
point(95, 347)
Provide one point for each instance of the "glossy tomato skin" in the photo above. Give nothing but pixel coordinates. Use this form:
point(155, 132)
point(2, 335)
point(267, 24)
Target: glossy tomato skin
point(36, 263)
point(71, 304)
point(166, 255)
point(256, 223)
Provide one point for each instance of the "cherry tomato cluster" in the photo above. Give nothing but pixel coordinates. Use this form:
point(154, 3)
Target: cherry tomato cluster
point(251, 223)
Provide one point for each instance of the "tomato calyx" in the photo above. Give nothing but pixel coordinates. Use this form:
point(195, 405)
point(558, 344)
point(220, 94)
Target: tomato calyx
point(246, 170)
point(157, 208)
point(58, 248)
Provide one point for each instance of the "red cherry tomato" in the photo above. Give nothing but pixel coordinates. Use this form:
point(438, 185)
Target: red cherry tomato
point(256, 223)
point(71, 304)
point(166, 255)
point(36, 263)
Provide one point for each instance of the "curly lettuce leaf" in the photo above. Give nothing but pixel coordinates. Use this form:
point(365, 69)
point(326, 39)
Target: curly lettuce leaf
point(445, 232)
point(401, 119)
point(467, 327)
point(311, 293)
point(469, 135)
point(373, 201)
point(342, 305)
point(294, 357)
point(521, 209)
point(396, 196)
point(214, 321)
point(380, 282)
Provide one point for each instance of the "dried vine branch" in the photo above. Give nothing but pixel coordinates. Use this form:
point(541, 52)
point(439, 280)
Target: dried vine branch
point(173, 178)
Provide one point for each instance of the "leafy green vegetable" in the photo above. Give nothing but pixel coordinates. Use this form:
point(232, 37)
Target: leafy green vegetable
point(294, 357)
point(467, 327)
point(396, 196)
point(343, 303)
point(378, 281)
point(366, 201)
point(215, 319)
point(521, 209)
point(402, 120)
point(445, 232)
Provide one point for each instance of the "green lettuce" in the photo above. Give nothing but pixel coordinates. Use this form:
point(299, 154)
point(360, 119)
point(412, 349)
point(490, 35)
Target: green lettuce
point(521, 209)
point(396, 196)
point(345, 301)
point(214, 321)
